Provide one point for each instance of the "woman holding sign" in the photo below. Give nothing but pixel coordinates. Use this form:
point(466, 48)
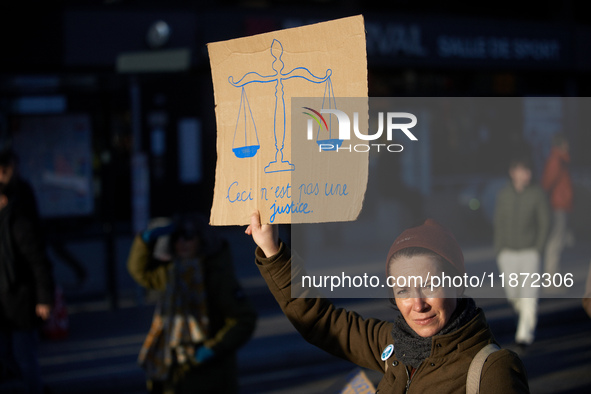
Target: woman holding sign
point(432, 344)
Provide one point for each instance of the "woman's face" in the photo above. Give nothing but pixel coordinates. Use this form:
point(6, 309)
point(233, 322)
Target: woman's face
point(426, 308)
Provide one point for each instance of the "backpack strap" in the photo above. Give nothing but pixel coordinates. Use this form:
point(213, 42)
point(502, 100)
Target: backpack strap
point(475, 370)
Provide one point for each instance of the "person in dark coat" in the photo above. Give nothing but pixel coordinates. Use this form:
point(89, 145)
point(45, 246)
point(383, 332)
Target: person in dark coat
point(24, 193)
point(15, 186)
point(26, 291)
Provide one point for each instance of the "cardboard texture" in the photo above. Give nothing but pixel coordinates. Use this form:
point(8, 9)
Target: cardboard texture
point(254, 80)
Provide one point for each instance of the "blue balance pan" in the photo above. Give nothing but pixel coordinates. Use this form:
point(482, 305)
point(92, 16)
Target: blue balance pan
point(246, 151)
point(330, 144)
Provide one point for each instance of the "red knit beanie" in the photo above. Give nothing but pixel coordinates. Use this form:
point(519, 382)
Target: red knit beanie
point(433, 236)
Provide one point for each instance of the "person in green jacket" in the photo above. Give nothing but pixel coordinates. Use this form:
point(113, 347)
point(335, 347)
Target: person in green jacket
point(202, 316)
point(430, 345)
point(521, 225)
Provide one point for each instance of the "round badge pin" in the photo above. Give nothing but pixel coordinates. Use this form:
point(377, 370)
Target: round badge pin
point(387, 352)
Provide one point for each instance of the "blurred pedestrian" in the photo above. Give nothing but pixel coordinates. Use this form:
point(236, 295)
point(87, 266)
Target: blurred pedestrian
point(202, 316)
point(438, 337)
point(521, 225)
point(16, 186)
point(556, 180)
point(26, 293)
point(22, 190)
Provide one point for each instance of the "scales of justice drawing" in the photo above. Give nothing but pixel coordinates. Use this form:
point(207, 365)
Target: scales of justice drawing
point(245, 124)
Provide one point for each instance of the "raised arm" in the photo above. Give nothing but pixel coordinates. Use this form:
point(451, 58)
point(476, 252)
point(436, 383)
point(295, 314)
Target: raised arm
point(337, 331)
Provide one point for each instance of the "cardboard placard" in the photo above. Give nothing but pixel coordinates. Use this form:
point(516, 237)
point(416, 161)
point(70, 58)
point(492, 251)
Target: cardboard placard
point(254, 80)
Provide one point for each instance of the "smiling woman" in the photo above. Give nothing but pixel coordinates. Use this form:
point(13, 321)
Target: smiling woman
point(426, 309)
point(430, 344)
point(426, 252)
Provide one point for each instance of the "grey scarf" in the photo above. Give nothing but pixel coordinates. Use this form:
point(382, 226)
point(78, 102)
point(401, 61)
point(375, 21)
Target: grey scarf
point(411, 349)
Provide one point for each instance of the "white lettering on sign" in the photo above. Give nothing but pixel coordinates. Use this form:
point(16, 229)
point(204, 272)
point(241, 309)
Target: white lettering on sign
point(394, 38)
point(497, 48)
point(536, 49)
point(462, 47)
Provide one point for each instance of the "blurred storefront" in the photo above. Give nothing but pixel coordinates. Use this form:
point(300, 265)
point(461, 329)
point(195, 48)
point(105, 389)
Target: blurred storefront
point(112, 109)
point(139, 80)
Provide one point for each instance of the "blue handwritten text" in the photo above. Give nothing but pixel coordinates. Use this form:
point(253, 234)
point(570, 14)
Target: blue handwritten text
point(241, 196)
point(288, 208)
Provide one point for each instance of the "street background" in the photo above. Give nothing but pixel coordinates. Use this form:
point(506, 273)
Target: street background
point(109, 105)
point(99, 355)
